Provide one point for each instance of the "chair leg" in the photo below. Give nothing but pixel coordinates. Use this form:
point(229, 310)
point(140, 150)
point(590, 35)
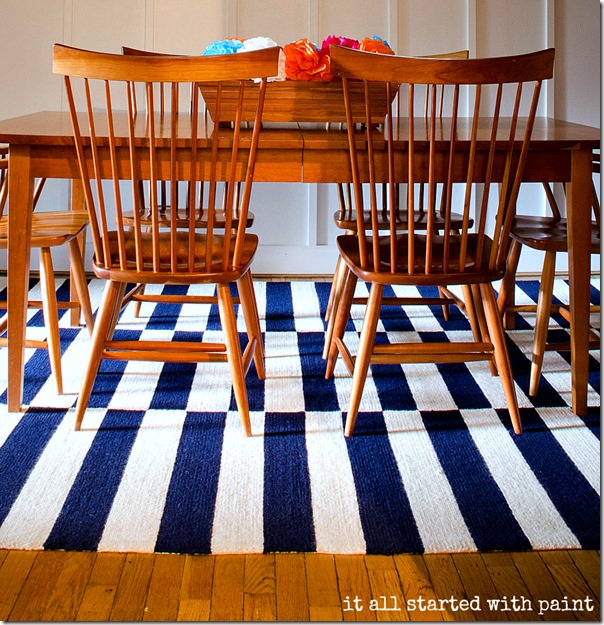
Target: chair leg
point(471, 312)
point(365, 351)
point(103, 329)
point(544, 310)
point(117, 311)
point(446, 308)
point(81, 286)
point(51, 315)
point(75, 312)
point(335, 293)
point(482, 322)
point(247, 297)
point(506, 297)
point(338, 276)
point(500, 353)
point(137, 304)
point(340, 316)
point(233, 347)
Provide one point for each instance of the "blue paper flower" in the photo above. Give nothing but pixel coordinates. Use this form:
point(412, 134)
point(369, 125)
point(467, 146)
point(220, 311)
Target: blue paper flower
point(224, 46)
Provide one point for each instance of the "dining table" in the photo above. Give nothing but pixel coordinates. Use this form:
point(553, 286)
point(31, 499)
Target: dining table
point(41, 146)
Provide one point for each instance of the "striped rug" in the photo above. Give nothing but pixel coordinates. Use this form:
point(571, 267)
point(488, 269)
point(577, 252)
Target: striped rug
point(162, 464)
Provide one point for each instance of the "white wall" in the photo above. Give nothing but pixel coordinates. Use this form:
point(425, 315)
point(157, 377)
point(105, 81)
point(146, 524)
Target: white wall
point(294, 221)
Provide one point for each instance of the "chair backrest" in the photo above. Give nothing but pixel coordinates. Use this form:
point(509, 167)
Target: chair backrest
point(344, 190)
point(153, 145)
point(445, 146)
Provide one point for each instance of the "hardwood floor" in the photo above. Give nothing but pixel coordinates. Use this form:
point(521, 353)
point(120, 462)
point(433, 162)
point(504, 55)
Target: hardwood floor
point(85, 586)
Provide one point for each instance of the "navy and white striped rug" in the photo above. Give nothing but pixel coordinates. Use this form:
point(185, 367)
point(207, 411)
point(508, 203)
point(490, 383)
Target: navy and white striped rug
point(162, 464)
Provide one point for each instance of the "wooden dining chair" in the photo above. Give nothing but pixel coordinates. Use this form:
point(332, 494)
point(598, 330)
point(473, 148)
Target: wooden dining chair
point(48, 230)
point(446, 149)
point(345, 219)
point(138, 294)
point(548, 234)
point(149, 146)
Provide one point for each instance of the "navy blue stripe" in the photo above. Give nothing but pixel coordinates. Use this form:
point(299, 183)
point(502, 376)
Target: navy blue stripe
point(80, 524)
point(578, 503)
point(279, 307)
point(457, 320)
point(37, 369)
point(462, 385)
point(483, 506)
point(254, 386)
point(174, 386)
point(323, 289)
point(392, 386)
point(386, 516)
point(186, 525)
point(288, 519)
point(594, 295)
point(521, 370)
point(21, 451)
point(319, 393)
point(394, 318)
point(110, 374)
point(165, 315)
point(593, 371)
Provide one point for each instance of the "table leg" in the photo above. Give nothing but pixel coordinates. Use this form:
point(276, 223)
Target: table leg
point(78, 204)
point(579, 246)
point(20, 197)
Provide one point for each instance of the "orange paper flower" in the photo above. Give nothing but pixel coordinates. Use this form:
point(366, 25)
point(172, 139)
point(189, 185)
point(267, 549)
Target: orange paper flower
point(304, 62)
point(376, 44)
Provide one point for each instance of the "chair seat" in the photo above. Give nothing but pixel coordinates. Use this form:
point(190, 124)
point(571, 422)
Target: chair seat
point(346, 220)
point(548, 233)
point(182, 218)
point(50, 229)
point(182, 273)
point(348, 246)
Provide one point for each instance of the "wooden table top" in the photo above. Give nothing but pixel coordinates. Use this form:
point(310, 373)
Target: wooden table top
point(54, 128)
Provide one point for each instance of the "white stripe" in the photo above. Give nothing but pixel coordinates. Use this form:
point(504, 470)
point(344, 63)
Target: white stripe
point(194, 317)
point(370, 401)
point(33, 515)
point(73, 365)
point(528, 500)
point(212, 384)
point(421, 317)
point(335, 507)
point(8, 422)
point(260, 292)
point(239, 512)
point(284, 391)
point(440, 523)
point(138, 383)
point(428, 387)
point(136, 512)
point(307, 312)
point(581, 446)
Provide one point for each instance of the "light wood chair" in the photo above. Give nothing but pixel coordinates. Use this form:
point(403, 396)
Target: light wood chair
point(549, 235)
point(345, 219)
point(472, 257)
point(181, 199)
point(49, 229)
point(179, 254)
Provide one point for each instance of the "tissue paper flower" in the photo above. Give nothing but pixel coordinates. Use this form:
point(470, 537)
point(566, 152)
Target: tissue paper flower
point(223, 46)
point(257, 43)
point(303, 61)
point(376, 44)
point(346, 42)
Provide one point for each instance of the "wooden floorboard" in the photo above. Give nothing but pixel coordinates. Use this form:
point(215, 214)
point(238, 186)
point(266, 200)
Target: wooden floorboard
point(88, 586)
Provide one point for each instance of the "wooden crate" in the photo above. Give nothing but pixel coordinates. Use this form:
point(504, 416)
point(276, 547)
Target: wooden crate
point(298, 101)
